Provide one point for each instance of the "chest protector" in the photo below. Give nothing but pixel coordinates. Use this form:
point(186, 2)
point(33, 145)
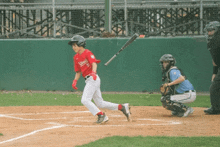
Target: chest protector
point(173, 87)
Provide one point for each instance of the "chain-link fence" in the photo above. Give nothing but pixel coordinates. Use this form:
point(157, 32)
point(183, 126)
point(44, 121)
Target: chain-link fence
point(109, 18)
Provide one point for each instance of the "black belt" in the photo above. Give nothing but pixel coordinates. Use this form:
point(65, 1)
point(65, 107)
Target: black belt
point(86, 77)
point(191, 90)
point(184, 92)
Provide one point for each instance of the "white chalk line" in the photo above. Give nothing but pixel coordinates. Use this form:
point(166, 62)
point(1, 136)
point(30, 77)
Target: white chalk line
point(32, 133)
point(57, 125)
point(83, 126)
point(134, 125)
point(19, 118)
point(81, 119)
point(40, 113)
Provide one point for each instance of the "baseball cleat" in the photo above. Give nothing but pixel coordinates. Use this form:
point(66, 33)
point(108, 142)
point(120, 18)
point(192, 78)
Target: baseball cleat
point(126, 111)
point(102, 119)
point(189, 111)
point(179, 114)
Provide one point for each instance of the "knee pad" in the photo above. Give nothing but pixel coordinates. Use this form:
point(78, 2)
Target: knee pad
point(165, 100)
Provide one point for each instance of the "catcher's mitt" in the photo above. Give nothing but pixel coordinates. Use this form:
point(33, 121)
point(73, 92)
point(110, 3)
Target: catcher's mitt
point(165, 89)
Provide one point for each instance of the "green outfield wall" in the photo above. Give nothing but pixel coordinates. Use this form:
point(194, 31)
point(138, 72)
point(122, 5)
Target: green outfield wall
point(48, 64)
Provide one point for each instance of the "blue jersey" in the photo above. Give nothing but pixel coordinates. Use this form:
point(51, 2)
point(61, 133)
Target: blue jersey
point(183, 86)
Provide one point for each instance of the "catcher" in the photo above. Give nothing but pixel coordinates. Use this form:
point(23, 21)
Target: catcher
point(178, 90)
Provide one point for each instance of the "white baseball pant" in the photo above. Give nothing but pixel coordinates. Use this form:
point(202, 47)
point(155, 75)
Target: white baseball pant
point(92, 91)
point(184, 98)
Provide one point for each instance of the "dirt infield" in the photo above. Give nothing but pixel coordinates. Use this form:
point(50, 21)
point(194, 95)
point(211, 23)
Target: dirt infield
point(64, 126)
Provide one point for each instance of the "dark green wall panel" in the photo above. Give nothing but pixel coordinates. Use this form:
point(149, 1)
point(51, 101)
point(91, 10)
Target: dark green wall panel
point(48, 64)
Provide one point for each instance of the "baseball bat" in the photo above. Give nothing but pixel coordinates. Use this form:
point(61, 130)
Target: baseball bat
point(123, 47)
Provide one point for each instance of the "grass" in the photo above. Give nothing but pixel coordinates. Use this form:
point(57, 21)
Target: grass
point(155, 141)
point(73, 99)
point(1, 134)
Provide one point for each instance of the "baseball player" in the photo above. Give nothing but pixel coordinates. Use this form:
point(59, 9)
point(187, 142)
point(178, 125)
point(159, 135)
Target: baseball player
point(85, 63)
point(213, 44)
point(182, 91)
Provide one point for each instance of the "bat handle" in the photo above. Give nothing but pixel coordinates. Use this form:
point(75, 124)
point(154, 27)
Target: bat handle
point(110, 60)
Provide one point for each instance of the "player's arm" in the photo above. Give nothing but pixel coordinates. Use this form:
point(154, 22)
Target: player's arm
point(94, 67)
point(77, 76)
point(176, 77)
point(215, 70)
point(93, 61)
point(177, 81)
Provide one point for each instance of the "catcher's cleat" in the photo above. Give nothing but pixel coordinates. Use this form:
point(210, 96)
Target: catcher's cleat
point(179, 114)
point(126, 111)
point(102, 119)
point(189, 111)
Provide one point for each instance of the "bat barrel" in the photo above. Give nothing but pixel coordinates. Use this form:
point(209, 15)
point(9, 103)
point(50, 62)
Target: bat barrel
point(123, 47)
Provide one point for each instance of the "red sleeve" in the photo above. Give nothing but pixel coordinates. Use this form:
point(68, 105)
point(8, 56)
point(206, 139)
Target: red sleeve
point(91, 58)
point(76, 66)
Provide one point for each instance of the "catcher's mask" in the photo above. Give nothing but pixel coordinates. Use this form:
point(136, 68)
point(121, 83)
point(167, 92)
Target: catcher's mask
point(214, 25)
point(167, 58)
point(79, 40)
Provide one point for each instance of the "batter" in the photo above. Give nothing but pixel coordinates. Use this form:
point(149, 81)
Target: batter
point(85, 63)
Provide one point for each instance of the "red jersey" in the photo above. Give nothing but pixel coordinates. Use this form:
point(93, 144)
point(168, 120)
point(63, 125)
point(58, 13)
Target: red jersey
point(83, 62)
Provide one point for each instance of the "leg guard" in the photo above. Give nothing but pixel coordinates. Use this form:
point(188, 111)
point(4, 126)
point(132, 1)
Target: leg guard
point(178, 107)
point(173, 106)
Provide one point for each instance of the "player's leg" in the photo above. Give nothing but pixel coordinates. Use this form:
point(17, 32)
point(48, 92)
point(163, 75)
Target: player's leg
point(101, 103)
point(214, 97)
point(183, 99)
point(177, 109)
point(86, 100)
point(87, 96)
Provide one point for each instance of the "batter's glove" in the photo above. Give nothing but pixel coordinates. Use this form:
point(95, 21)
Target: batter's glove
point(74, 84)
point(165, 89)
point(93, 74)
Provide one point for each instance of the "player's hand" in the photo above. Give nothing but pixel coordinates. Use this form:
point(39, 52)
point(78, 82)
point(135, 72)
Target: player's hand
point(74, 84)
point(166, 85)
point(94, 76)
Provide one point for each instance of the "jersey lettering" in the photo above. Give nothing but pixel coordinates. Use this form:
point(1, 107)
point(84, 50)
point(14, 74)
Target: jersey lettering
point(85, 62)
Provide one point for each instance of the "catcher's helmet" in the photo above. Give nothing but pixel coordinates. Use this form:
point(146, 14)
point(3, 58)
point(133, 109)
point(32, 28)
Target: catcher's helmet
point(79, 40)
point(167, 57)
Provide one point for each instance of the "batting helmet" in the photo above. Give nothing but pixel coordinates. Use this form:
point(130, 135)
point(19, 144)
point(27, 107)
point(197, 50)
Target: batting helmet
point(167, 57)
point(79, 40)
